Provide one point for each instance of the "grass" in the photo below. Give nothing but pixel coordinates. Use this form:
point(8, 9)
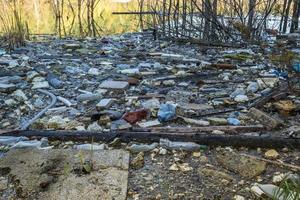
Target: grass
point(14, 28)
point(289, 190)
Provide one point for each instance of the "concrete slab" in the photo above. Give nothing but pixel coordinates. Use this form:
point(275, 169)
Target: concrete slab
point(60, 175)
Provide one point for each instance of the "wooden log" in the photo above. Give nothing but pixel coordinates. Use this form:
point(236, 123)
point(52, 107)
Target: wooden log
point(264, 141)
point(226, 129)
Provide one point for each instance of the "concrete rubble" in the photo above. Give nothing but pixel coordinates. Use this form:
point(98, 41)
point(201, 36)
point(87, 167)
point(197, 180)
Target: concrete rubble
point(121, 84)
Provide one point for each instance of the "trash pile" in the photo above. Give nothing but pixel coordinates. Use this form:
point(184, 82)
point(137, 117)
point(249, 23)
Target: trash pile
point(130, 82)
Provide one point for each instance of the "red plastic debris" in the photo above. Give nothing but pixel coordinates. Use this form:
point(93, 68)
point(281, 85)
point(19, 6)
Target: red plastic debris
point(133, 117)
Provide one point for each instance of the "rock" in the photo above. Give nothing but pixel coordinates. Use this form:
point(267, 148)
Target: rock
point(94, 72)
point(133, 117)
point(92, 147)
point(104, 103)
point(94, 127)
point(256, 190)
point(285, 107)
point(10, 102)
point(147, 124)
point(266, 120)
point(218, 132)
point(186, 146)
point(233, 121)
point(138, 161)
point(7, 87)
point(136, 148)
point(56, 123)
point(131, 71)
point(54, 81)
point(245, 166)
point(89, 97)
point(169, 83)
point(104, 120)
point(40, 85)
point(33, 168)
point(120, 125)
point(238, 197)
point(195, 121)
point(117, 85)
point(184, 167)
point(278, 178)
point(271, 154)
point(151, 104)
point(218, 175)
point(166, 112)
point(252, 87)
point(31, 75)
point(20, 96)
point(3, 183)
point(217, 121)
point(241, 98)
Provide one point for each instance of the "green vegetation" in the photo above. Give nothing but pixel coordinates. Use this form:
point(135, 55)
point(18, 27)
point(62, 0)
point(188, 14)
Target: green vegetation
point(14, 29)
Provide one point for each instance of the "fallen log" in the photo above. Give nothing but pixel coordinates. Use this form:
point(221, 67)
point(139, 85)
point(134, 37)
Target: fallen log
point(264, 141)
point(226, 129)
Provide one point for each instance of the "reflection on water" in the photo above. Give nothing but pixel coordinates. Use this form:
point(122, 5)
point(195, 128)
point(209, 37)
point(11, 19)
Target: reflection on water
point(50, 16)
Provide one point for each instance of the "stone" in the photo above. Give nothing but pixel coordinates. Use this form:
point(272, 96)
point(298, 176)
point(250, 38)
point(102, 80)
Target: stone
point(238, 197)
point(278, 178)
point(151, 104)
point(218, 132)
point(195, 121)
point(271, 154)
point(217, 121)
point(57, 122)
point(147, 124)
point(40, 85)
point(92, 147)
point(7, 87)
point(266, 120)
point(104, 103)
point(117, 85)
point(138, 161)
point(108, 178)
point(10, 102)
point(252, 87)
point(20, 96)
point(94, 127)
point(169, 82)
point(120, 125)
point(241, 98)
point(131, 71)
point(94, 72)
point(136, 148)
point(219, 175)
point(245, 166)
point(31, 75)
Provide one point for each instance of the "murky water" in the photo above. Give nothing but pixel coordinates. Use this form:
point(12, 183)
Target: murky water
point(42, 15)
